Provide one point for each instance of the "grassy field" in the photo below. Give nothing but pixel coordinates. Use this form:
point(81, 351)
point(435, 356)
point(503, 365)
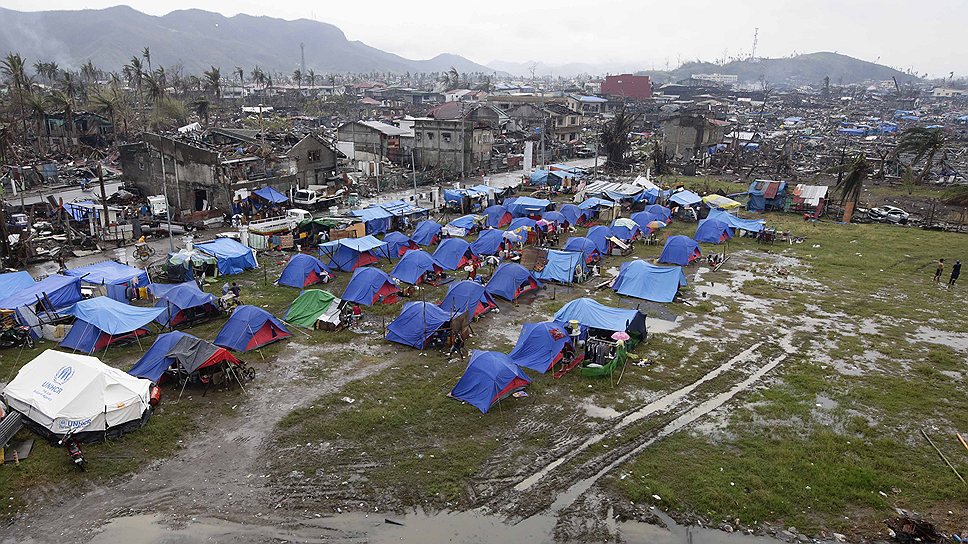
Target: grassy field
point(830, 440)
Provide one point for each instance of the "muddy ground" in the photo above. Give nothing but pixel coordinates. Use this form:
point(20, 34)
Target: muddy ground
point(564, 456)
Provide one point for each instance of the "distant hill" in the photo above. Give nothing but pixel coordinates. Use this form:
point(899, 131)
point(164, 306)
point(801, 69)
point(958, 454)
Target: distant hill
point(805, 69)
point(799, 70)
point(199, 39)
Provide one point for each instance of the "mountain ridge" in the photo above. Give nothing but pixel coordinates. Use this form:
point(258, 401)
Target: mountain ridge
point(120, 32)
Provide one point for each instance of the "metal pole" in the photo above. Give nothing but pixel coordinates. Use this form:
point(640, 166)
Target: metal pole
point(413, 165)
point(164, 184)
point(104, 198)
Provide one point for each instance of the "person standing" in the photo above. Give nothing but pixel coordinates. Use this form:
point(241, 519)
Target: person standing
point(955, 272)
point(938, 271)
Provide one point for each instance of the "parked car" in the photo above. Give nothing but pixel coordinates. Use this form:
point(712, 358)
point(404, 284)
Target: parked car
point(888, 214)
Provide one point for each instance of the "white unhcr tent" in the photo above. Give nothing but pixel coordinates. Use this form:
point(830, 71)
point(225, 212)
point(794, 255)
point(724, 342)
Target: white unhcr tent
point(62, 391)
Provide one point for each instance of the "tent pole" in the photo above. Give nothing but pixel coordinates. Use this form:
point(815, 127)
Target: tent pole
point(138, 338)
point(183, 388)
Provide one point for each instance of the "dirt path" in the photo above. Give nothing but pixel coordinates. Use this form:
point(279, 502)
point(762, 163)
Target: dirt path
point(220, 474)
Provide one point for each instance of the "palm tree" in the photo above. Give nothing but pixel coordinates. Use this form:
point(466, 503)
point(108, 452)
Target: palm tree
point(201, 106)
point(615, 138)
point(258, 76)
point(61, 100)
point(850, 183)
point(924, 143)
point(240, 73)
point(89, 72)
point(134, 73)
point(146, 54)
point(311, 77)
point(13, 68)
point(213, 82)
point(108, 102)
point(37, 106)
point(297, 76)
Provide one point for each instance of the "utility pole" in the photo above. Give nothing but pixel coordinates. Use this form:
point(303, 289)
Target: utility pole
point(104, 198)
point(302, 57)
point(164, 184)
point(413, 165)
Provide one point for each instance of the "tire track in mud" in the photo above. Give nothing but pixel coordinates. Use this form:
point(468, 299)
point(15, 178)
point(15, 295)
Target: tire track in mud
point(559, 484)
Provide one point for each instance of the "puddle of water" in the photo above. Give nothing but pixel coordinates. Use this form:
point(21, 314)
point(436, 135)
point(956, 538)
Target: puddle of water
point(825, 403)
point(458, 527)
point(663, 403)
point(956, 340)
point(599, 412)
point(568, 497)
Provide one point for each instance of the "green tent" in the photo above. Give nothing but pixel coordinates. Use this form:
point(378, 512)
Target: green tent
point(308, 306)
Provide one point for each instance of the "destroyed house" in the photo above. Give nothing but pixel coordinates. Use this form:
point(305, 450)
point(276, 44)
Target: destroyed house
point(767, 195)
point(374, 140)
point(88, 128)
point(691, 135)
point(204, 176)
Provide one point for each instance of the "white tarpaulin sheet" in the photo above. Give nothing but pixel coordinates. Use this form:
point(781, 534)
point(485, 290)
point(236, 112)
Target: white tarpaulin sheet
point(63, 391)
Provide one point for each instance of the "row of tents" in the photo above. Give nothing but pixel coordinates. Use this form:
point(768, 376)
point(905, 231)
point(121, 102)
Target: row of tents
point(491, 376)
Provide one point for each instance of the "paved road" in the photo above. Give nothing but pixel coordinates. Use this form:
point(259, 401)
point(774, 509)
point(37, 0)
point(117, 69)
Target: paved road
point(69, 195)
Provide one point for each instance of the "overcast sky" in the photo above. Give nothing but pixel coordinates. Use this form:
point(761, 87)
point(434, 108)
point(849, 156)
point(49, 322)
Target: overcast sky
point(925, 35)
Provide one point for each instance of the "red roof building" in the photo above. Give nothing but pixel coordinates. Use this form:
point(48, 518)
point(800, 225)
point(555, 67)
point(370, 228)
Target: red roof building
point(627, 86)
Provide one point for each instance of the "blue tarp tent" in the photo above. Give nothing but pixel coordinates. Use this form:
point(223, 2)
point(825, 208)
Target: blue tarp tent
point(413, 265)
point(497, 216)
point(585, 246)
point(488, 242)
point(490, 376)
point(624, 228)
point(600, 235)
point(561, 266)
point(109, 273)
point(376, 219)
point(713, 231)
point(522, 223)
point(647, 281)
point(591, 313)
point(453, 253)
point(553, 217)
point(155, 362)
point(398, 243)
point(462, 226)
point(525, 206)
point(176, 301)
point(271, 195)
point(750, 225)
point(511, 280)
point(540, 345)
point(594, 203)
point(232, 257)
point(102, 321)
point(61, 291)
point(417, 322)
point(467, 297)
point(402, 208)
point(686, 198)
point(370, 286)
point(302, 271)
point(427, 233)
point(574, 215)
point(642, 219)
point(250, 328)
point(657, 209)
point(348, 254)
point(545, 177)
point(13, 282)
point(680, 250)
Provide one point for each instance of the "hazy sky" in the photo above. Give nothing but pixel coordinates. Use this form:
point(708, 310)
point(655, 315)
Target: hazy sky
point(925, 35)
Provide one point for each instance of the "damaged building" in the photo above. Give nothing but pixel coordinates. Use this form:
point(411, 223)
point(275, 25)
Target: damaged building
point(211, 172)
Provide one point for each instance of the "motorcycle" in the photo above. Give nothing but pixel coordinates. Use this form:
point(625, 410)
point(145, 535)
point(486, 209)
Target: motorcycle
point(74, 450)
point(16, 337)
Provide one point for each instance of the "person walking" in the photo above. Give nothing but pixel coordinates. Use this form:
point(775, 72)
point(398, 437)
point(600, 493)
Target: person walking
point(938, 271)
point(955, 272)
